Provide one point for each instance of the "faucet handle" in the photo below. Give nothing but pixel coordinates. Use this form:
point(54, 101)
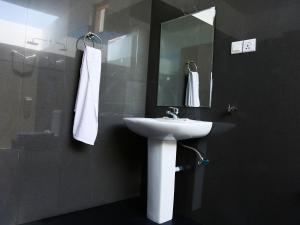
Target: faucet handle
point(174, 110)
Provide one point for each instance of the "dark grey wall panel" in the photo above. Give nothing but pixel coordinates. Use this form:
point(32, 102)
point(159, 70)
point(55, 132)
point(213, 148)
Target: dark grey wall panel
point(44, 172)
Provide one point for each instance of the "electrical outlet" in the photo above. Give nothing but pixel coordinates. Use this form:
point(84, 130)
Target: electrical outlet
point(249, 45)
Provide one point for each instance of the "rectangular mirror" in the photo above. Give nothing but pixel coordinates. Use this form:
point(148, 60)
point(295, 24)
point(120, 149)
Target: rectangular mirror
point(186, 56)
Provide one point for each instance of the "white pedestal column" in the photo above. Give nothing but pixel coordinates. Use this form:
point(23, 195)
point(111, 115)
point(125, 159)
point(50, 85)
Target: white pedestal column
point(161, 180)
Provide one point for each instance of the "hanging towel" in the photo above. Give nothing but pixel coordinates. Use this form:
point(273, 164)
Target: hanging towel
point(192, 98)
point(85, 125)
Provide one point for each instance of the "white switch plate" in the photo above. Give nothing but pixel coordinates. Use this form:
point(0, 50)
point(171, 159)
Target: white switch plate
point(249, 45)
point(237, 47)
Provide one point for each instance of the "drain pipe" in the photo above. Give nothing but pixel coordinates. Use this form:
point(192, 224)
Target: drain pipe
point(201, 160)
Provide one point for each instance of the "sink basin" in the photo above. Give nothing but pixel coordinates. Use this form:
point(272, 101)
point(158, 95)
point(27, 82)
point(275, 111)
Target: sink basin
point(168, 129)
point(163, 134)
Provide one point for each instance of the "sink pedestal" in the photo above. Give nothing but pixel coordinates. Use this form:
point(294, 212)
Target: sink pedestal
point(161, 179)
point(163, 134)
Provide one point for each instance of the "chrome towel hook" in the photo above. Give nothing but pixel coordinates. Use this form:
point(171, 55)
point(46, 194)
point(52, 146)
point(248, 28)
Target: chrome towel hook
point(193, 63)
point(89, 36)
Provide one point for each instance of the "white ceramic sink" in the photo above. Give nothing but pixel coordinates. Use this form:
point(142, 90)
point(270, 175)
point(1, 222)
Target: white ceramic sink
point(162, 134)
point(168, 129)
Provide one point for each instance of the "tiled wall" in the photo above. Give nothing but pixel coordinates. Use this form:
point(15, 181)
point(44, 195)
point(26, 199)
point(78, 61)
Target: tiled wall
point(43, 171)
point(253, 176)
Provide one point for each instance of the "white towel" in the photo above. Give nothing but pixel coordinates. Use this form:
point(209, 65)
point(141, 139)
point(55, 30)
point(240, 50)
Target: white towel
point(85, 125)
point(192, 98)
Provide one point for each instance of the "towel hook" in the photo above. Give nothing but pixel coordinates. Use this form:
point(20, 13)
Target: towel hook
point(89, 36)
point(191, 62)
point(188, 67)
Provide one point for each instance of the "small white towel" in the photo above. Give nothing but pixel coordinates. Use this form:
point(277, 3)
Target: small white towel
point(192, 98)
point(85, 127)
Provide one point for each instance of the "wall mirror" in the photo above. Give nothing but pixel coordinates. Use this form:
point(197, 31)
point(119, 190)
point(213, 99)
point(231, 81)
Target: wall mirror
point(186, 56)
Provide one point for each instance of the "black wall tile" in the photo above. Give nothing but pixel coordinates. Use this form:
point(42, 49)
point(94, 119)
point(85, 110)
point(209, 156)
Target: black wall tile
point(253, 177)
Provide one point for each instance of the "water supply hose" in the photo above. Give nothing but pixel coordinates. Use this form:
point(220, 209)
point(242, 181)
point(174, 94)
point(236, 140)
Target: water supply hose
point(201, 160)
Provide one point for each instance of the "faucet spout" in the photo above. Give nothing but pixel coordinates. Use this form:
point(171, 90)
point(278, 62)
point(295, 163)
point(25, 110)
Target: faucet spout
point(173, 112)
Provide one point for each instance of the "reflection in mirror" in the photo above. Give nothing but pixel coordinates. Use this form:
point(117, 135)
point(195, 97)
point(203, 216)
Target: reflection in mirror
point(186, 54)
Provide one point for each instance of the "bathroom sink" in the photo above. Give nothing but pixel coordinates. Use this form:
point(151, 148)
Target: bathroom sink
point(163, 134)
point(168, 128)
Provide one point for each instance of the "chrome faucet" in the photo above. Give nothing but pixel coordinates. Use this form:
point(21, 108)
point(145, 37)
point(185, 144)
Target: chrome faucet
point(173, 112)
